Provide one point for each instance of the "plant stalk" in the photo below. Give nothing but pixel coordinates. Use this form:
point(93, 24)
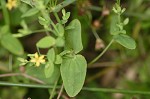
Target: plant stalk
point(95, 59)
point(53, 90)
point(106, 90)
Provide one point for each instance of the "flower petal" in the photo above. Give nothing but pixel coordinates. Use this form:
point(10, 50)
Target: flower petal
point(41, 57)
point(36, 55)
point(33, 60)
point(37, 64)
point(42, 61)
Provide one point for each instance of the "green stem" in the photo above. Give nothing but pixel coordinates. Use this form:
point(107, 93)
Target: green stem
point(106, 90)
point(60, 92)
point(36, 31)
point(48, 18)
point(95, 59)
point(38, 50)
point(54, 26)
point(57, 17)
point(5, 12)
point(123, 91)
point(54, 88)
point(95, 33)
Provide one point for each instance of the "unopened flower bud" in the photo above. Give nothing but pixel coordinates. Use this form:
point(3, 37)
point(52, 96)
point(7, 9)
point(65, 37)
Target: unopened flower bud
point(96, 24)
point(99, 44)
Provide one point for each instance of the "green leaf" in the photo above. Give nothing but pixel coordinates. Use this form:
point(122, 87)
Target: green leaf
point(60, 29)
point(73, 40)
point(67, 15)
point(73, 72)
point(44, 21)
point(51, 55)
point(58, 59)
point(46, 42)
point(114, 29)
point(125, 41)
point(38, 72)
point(126, 21)
point(30, 12)
point(29, 2)
point(12, 44)
point(63, 12)
point(60, 42)
point(64, 21)
point(49, 69)
point(4, 29)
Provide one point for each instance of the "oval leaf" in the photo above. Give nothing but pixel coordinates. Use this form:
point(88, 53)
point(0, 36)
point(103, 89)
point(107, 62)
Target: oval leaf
point(46, 42)
point(49, 69)
point(125, 41)
point(60, 29)
point(12, 44)
point(73, 39)
point(51, 55)
point(73, 72)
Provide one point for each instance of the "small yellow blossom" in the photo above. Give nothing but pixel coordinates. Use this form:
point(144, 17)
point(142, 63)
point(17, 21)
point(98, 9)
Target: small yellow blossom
point(11, 3)
point(37, 59)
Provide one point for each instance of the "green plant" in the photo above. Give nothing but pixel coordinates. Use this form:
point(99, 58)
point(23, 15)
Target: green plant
point(63, 42)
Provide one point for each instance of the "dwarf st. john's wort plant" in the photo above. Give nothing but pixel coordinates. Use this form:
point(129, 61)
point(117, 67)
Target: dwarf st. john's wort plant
point(63, 41)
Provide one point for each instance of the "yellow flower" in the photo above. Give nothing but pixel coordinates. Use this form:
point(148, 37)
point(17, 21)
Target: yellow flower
point(11, 3)
point(37, 59)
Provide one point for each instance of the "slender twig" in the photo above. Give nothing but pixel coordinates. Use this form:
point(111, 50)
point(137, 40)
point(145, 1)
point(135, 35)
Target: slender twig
point(106, 90)
point(9, 74)
point(27, 85)
point(64, 96)
point(60, 92)
point(24, 75)
point(33, 78)
point(95, 59)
